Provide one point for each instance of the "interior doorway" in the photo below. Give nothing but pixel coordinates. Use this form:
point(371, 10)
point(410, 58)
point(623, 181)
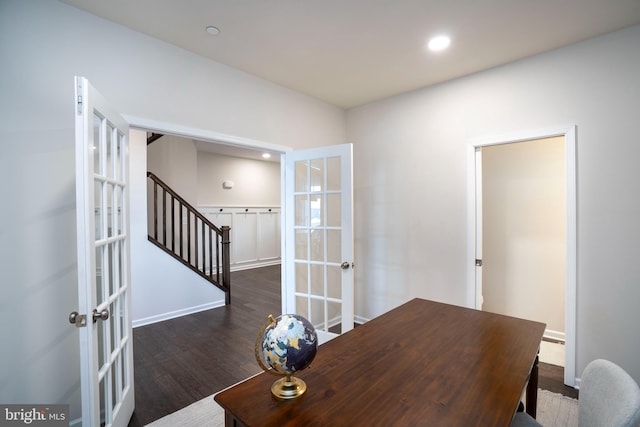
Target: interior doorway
point(158, 285)
point(146, 279)
point(517, 255)
point(524, 228)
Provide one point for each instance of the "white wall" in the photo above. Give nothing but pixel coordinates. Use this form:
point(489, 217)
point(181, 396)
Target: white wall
point(410, 155)
point(256, 183)
point(411, 170)
point(162, 287)
point(197, 176)
point(524, 231)
point(174, 160)
point(43, 45)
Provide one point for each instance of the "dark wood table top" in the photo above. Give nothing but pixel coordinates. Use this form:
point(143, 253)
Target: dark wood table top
point(421, 364)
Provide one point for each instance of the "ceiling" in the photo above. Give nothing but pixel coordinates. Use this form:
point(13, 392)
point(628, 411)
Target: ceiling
point(351, 52)
point(224, 149)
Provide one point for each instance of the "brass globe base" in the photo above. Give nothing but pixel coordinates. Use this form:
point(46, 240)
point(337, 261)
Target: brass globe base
point(288, 387)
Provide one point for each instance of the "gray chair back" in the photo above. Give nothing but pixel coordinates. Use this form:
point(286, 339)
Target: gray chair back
point(609, 397)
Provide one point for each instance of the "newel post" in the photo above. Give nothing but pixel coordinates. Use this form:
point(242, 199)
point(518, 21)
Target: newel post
point(226, 263)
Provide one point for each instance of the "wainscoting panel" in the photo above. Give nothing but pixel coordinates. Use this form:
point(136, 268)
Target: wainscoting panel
point(255, 233)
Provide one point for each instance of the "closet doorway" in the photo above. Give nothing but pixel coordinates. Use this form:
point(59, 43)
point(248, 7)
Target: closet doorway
point(525, 235)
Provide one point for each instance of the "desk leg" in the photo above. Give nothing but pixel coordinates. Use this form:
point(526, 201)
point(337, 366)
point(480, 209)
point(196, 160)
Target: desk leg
point(532, 390)
point(231, 421)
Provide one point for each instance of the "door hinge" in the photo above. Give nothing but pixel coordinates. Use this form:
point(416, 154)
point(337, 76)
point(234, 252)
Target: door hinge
point(79, 92)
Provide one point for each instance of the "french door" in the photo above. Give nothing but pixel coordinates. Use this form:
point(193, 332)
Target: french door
point(104, 314)
point(318, 238)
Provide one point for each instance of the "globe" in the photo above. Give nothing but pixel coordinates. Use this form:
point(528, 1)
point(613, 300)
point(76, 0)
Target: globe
point(285, 345)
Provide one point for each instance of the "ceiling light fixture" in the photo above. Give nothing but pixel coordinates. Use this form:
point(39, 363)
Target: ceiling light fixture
point(266, 155)
point(214, 31)
point(439, 43)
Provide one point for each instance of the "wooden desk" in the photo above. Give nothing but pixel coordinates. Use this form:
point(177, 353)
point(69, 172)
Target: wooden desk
point(421, 364)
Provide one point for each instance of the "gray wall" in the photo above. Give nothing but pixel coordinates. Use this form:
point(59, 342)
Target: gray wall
point(43, 44)
point(411, 195)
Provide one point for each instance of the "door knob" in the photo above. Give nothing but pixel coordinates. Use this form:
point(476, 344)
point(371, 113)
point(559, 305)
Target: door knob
point(79, 320)
point(345, 265)
point(103, 315)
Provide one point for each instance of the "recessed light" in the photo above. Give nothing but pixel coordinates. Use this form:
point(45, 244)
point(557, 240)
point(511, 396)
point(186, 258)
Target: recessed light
point(214, 31)
point(439, 43)
point(266, 155)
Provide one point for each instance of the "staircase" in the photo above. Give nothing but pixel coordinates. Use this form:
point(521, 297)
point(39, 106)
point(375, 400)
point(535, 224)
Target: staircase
point(184, 233)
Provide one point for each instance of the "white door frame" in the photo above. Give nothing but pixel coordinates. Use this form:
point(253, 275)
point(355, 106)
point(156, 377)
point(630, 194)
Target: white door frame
point(219, 138)
point(202, 134)
point(474, 297)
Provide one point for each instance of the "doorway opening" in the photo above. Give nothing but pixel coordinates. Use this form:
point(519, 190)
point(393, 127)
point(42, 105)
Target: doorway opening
point(144, 255)
point(165, 305)
point(564, 249)
point(228, 186)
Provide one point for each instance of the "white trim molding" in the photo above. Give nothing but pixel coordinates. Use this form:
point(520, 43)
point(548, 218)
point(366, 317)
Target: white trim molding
point(178, 313)
point(569, 134)
point(202, 134)
point(555, 335)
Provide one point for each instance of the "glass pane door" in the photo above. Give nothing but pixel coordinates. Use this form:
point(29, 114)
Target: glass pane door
point(106, 352)
point(319, 237)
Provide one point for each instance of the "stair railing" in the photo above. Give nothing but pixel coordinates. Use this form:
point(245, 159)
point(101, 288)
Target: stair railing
point(184, 233)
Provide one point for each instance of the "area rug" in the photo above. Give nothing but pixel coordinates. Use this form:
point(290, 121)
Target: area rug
point(204, 413)
point(554, 410)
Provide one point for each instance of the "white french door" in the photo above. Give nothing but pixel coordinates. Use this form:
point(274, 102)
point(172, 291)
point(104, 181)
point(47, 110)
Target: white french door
point(104, 314)
point(318, 238)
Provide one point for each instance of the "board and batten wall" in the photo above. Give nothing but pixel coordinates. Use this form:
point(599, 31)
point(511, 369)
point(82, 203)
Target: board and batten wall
point(251, 207)
point(523, 234)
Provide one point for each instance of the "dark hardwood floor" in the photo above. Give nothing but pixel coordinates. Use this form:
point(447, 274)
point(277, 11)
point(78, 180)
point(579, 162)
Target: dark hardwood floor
point(180, 361)
point(551, 377)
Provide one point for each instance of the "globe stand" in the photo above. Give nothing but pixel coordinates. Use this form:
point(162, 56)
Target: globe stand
point(288, 387)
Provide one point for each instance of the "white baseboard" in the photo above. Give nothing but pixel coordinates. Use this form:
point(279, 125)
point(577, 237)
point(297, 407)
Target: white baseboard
point(195, 309)
point(177, 313)
point(360, 320)
point(554, 335)
point(253, 264)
